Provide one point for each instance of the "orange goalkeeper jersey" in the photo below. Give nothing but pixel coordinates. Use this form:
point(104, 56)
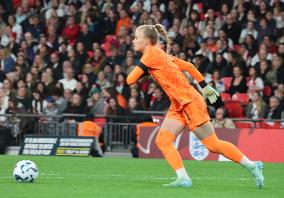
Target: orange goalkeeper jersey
point(167, 71)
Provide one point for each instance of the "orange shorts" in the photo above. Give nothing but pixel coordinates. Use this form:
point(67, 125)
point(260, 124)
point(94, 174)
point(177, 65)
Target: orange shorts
point(192, 115)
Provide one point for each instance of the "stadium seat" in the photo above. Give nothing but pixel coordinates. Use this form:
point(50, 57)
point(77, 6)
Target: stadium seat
point(244, 124)
point(267, 91)
point(100, 121)
point(106, 47)
point(225, 97)
point(235, 109)
point(268, 125)
point(227, 82)
point(241, 97)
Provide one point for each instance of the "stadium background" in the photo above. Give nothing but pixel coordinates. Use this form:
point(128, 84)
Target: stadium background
point(63, 59)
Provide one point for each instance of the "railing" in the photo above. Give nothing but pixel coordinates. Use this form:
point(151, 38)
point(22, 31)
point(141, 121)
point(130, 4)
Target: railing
point(116, 135)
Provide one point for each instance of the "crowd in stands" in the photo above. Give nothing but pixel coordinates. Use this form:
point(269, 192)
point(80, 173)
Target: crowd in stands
point(73, 56)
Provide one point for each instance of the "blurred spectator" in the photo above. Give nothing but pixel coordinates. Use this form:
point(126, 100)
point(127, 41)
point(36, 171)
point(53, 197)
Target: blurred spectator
point(262, 54)
point(133, 106)
point(6, 60)
point(257, 107)
point(255, 83)
point(35, 27)
point(102, 81)
point(121, 86)
point(56, 66)
point(96, 102)
point(71, 30)
point(47, 80)
point(4, 101)
point(75, 106)
point(275, 108)
point(264, 29)
point(55, 10)
point(89, 77)
point(75, 60)
point(221, 120)
point(219, 84)
point(86, 37)
point(160, 103)
point(275, 75)
point(17, 28)
point(124, 21)
point(279, 92)
point(68, 82)
point(263, 69)
point(81, 55)
point(113, 109)
point(51, 108)
point(23, 98)
point(13, 45)
point(38, 104)
point(248, 30)
point(239, 84)
point(60, 102)
point(232, 29)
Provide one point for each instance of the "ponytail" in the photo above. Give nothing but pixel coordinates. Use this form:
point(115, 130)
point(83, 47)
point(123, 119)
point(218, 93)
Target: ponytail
point(163, 33)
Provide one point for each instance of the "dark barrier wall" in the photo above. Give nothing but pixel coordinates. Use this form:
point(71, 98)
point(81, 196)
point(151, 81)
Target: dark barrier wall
point(258, 144)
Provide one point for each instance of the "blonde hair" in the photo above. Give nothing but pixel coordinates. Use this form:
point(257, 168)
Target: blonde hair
point(153, 32)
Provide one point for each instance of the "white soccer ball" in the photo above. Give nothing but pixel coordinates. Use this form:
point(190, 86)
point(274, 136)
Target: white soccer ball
point(25, 171)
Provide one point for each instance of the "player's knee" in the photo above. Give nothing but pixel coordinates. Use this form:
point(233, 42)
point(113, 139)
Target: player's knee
point(160, 141)
point(164, 139)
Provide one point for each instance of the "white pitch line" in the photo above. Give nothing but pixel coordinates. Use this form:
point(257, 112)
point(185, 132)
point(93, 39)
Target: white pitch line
point(39, 176)
point(139, 178)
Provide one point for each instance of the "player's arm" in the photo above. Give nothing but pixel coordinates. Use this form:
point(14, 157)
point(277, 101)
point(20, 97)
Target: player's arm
point(191, 69)
point(208, 92)
point(139, 71)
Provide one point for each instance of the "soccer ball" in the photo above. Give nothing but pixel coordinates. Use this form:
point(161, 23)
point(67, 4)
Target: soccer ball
point(25, 171)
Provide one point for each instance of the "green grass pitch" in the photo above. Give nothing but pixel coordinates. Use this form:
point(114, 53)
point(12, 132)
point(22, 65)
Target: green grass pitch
point(122, 177)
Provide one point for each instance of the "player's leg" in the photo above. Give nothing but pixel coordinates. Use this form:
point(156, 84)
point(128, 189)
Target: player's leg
point(207, 135)
point(168, 132)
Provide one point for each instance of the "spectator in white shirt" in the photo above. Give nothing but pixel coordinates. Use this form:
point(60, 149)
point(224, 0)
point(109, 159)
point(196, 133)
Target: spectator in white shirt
point(68, 82)
point(55, 9)
point(15, 27)
point(205, 51)
point(255, 83)
point(248, 30)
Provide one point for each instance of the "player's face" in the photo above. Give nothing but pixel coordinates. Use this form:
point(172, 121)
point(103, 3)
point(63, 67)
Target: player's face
point(139, 41)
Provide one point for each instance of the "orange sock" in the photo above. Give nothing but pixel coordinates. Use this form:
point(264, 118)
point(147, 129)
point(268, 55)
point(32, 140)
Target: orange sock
point(227, 149)
point(164, 141)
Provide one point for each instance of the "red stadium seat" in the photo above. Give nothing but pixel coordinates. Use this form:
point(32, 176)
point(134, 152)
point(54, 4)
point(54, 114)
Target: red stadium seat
point(225, 97)
point(227, 82)
point(235, 109)
point(242, 97)
point(100, 121)
point(267, 91)
point(244, 124)
point(269, 125)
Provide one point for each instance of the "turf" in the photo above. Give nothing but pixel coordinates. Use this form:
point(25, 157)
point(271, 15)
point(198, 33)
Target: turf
point(121, 177)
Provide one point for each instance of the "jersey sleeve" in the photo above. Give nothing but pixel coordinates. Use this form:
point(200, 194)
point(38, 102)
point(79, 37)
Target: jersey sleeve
point(149, 58)
point(134, 75)
point(189, 67)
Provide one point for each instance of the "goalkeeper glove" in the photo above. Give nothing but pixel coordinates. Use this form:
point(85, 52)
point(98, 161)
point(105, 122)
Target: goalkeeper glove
point(209, 92)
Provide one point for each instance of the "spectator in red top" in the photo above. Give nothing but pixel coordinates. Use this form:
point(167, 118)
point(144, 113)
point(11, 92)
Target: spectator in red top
point(71, 31)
